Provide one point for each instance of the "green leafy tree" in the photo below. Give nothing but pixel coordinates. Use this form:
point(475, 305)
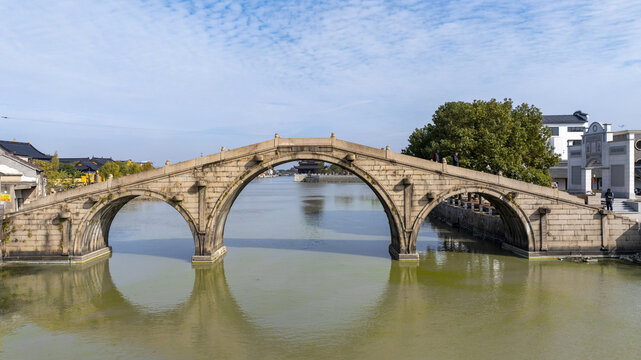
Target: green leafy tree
point(110, 168)
point(51, 171)
point(69, 170)
point(335, 169)
point(147, 166)
point(129, 167)
point(490, 136)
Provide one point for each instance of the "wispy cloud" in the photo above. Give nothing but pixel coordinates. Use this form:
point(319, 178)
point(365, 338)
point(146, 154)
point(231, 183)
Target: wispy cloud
point(225, 72)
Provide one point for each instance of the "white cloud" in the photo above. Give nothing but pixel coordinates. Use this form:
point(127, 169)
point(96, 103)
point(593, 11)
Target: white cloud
point(198, 75)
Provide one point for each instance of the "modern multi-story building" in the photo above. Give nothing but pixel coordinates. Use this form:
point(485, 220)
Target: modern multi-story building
point(605, 159)
point(566, 130)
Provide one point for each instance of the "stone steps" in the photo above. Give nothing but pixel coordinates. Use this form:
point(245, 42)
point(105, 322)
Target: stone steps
point(620, 207)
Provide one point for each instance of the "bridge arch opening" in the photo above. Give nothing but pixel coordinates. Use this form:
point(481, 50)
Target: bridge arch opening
point(481, 212)
point(299, 238)
point(218, 218)
point(94, 230)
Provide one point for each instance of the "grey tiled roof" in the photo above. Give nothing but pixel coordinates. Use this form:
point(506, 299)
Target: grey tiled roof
point(578, 117)
point(86, 164)
point(563, 119)
point(23, 149)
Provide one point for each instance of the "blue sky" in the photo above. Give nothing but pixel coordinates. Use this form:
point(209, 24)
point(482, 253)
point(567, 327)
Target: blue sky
point(156, 80)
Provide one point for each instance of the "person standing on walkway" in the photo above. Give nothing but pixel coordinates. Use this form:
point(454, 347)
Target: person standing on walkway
point(609, 198)
point(436, 156)
point(455, 159)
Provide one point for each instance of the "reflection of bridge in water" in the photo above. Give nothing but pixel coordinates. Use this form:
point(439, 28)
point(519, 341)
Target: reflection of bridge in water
point(73, 226)
point(93, 306)
point(84, 300)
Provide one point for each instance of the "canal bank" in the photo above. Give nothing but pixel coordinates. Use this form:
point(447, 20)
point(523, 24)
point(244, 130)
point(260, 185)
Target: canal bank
point(327, 178)
point(481, 220)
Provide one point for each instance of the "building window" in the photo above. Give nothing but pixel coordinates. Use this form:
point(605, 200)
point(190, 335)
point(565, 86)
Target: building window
point(637, 145)
point(617, 173)
point(555, 131)
point(598, 147)
point(576, 129)
point(576, 175)
point(587, 148)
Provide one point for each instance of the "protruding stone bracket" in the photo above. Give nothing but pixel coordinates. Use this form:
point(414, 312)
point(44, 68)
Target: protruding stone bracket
point(259, 158)
point(407, 181)
point(94, 198)
point(430, 196)
point(350, 158)
point(544, 210)
point(178, 198)
point(64, 215)
point(201, 183)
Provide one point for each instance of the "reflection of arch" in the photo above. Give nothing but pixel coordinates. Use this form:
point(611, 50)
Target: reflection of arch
point(218, 216)
point(93, 231)
point(517, 225)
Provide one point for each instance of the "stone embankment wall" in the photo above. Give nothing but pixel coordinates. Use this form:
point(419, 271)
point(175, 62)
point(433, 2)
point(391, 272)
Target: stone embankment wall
point(617, 234)
point(480, 225)
point(322, 178)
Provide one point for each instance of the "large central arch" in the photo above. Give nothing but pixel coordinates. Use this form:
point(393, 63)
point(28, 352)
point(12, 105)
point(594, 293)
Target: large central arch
point(218, 216)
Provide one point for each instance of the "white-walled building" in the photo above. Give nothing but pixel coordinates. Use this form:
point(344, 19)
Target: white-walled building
point(566, 129)
point(20, 182)
point(605, 159)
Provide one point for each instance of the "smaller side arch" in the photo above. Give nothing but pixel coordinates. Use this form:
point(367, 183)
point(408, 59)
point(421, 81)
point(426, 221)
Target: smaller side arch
point(93, 231)
point(515, 221)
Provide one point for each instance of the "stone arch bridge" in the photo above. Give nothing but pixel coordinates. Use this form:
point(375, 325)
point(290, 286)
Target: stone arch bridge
point(73, 226)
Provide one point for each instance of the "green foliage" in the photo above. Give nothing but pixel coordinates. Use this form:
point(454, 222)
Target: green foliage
point(129, 167)
point(60, 176)
point(110, 168)
point(147, 166)
point(70, 170)
point(335, 169)
point(122, 168)
point(489, 136)
point(51, 171)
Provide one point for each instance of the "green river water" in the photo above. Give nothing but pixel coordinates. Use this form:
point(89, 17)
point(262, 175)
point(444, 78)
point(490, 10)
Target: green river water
point(307, 276)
